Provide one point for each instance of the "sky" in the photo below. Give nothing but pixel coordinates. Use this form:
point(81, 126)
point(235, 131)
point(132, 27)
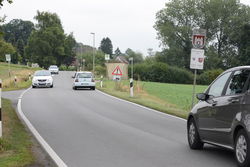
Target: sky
point(128, 23)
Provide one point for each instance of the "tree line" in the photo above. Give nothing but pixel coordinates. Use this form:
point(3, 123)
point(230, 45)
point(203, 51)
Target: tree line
point(227, 43)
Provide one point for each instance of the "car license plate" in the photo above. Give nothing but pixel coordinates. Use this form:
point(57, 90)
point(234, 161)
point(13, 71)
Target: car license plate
point(85, 84)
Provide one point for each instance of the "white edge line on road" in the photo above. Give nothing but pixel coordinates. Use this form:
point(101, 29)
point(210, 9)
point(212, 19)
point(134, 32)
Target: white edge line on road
point(58, 161)
point(150, 109)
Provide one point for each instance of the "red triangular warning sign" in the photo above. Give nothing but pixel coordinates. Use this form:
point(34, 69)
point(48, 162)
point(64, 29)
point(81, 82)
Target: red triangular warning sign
point(117, 71)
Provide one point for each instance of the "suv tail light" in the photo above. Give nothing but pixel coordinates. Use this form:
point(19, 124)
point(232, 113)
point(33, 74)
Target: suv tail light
point(76, 80)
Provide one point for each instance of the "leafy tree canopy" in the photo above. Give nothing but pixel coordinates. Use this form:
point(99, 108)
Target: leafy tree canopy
point(1, 2)
point(48, 44)
point(106, 46)
point(137, 57)
point(222, 19)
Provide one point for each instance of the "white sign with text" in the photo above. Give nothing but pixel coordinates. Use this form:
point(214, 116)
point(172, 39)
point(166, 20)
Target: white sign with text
point(197, 59)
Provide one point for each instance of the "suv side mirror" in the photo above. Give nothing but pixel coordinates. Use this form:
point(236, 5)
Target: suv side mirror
point(202, 96)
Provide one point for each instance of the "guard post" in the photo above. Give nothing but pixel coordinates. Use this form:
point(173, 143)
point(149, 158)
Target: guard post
point(131, 87)
point(101, 81)
point(1, 132)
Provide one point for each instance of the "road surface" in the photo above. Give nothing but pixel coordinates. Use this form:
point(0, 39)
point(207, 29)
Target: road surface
point(89, 129)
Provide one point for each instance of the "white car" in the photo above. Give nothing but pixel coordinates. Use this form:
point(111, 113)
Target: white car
point(54, 69)
point(84, 79)
point(42, 78)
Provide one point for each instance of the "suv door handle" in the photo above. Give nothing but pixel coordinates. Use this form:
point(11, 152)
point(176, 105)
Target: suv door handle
point(214, 103)
point(234, 100)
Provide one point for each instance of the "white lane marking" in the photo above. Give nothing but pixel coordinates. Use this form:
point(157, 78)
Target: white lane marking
point(59, 162)
point(150, 109)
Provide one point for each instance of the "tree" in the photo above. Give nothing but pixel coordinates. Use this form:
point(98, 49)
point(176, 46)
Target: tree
point(175, 23)
point(17, 33)
point(48, 44)
point(5, 48)
point(70, 54)
point(137, 57)
point(1, 2)
point(88, 57)
point(117, 52)
point(106, 46)
point(244, 45)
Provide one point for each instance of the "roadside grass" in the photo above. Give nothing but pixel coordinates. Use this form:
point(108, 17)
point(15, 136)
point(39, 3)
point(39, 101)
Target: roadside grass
point(174, 99)
point(15, 145)
point(22, 75)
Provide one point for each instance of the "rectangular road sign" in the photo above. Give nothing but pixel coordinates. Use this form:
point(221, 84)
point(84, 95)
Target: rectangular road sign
point(198, 39)
point(107, 57)
point(8, 57)
point(197, 59)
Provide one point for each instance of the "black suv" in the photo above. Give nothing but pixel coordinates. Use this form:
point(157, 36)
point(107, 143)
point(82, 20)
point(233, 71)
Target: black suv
point(222, 116)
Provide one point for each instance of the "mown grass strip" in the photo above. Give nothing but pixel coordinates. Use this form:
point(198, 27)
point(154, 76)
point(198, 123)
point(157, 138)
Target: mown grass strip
point(15, 146)
point(174, 99)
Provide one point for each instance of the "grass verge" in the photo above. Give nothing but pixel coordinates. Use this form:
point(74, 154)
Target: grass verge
point(15, 146)
point(174, 99)
point(21, 73)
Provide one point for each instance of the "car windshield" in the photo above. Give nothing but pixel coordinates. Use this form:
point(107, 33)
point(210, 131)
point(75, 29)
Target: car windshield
point(42, 73)
point(84, 75)
point(54, 67)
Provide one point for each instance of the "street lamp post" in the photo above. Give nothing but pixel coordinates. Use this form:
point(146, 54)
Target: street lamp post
point(93, 52)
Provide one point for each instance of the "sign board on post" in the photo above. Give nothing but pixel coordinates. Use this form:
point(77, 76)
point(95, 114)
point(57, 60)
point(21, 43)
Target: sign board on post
point(8, 57)
point(197, 59)
point(197, 54)
point(198, 40)
point(117, 73)
point(107, 57)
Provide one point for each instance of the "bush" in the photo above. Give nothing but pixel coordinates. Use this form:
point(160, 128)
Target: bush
point(63, 68)
point(207, 77)
point(161, 72)
point(71, 68)
point(100, 70)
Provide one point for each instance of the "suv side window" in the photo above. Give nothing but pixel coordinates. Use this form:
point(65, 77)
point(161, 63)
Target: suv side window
point(237, 82)
point(217, 87)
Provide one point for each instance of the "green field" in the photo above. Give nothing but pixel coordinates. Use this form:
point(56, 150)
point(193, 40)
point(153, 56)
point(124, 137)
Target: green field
point(173, 99)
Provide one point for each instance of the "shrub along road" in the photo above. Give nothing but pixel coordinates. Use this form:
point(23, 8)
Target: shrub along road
point(88, 128)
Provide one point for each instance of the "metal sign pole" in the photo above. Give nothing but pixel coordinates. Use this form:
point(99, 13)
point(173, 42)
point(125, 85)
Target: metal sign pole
point(9, 67)
point(197, 55)
point(195, 74)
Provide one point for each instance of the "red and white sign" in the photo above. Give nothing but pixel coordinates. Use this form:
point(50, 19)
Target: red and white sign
point(198, 39)
point(117, 71)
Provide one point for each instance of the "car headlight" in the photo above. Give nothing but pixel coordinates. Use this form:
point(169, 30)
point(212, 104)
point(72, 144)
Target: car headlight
point(34, 80)
point(50, 79)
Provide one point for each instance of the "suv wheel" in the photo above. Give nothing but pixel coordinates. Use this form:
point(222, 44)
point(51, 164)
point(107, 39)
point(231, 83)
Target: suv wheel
point(242, 153)
point(193, 136)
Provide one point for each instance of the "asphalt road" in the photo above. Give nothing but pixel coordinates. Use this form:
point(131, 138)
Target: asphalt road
point(89, 129)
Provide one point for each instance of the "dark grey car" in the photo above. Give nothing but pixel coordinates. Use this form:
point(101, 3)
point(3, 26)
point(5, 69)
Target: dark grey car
point(222, 116)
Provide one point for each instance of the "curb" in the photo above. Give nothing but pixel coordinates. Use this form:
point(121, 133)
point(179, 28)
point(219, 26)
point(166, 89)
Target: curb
point(58, 161)
point(138, 105)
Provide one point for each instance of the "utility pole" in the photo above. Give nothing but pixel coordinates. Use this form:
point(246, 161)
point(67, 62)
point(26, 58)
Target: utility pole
point(93, 52)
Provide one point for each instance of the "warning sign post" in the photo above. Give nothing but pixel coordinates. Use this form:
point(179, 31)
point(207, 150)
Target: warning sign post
point(117, 73)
